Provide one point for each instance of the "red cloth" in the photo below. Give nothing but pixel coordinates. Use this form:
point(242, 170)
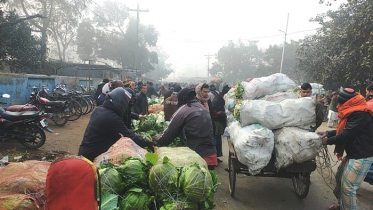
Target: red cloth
point(370, 104)
point(211, 160)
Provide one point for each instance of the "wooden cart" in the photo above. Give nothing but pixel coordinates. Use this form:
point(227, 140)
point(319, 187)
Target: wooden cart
point(299, 172)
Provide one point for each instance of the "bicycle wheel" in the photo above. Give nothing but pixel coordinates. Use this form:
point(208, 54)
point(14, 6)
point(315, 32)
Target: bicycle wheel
point(75, 111)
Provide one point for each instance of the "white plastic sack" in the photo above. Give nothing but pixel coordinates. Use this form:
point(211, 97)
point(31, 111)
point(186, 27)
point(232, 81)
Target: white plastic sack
point(262, 86)
point(274, 115)
point(254, 146)
point(317, 89)
point(230, 100)
point(280, 96)
point(294, 145)
point(233, 130)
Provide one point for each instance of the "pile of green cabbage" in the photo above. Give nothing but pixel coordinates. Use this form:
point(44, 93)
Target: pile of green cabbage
point(125, 186)
point(190, 187)
point(137, 185)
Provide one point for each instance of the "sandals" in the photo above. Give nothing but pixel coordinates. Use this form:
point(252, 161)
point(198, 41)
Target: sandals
point(333, 207)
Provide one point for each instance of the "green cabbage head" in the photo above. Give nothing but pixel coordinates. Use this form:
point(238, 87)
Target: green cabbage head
point(110, 180)
point(163, 179)
point(133, 171)
point(135, 198)
point(196, 183)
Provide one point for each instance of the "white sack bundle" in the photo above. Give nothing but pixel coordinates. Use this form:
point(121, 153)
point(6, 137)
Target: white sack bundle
point(294, 145)
point(262, 86)
point(274, 115)
point(233, 130)
point(280, 96)
point(230, 100)
point(254, 146)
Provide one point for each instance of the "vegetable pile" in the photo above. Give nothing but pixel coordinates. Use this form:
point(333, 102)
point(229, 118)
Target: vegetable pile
point(160, 185)
point(152, 126)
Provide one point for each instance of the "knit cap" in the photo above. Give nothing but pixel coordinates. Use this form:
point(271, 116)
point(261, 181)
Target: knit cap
point(345, 95)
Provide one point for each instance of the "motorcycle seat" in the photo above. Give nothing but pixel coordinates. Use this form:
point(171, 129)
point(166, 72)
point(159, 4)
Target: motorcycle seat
point(19, 108)
point(14, 116)
point(55, 103)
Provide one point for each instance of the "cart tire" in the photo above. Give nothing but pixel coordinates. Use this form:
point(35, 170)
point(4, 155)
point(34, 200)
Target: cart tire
point(232, 175)
point(301, 184)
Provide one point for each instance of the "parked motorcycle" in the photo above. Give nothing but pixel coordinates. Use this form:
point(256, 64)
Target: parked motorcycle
point(57, 111)
point(26, 127)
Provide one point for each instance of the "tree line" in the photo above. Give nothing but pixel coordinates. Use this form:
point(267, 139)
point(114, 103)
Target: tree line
point(56, 32)
point(339, 54)
point(33, 32)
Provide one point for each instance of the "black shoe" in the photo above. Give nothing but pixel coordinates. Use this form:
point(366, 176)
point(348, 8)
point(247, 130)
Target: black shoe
point(219, 161)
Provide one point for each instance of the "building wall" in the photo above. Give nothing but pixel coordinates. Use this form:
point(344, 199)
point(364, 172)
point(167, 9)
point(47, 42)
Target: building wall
point(19, 86)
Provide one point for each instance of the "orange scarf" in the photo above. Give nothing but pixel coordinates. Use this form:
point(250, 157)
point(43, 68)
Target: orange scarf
point(355, 104)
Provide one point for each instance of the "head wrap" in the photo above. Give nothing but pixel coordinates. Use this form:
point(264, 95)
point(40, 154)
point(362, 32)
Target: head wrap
point(118, 99)
point(185, 95)
point(204, 101)
point(345, 95)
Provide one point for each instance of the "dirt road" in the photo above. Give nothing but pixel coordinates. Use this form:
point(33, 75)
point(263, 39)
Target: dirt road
point(66, 138)
point(251, 192)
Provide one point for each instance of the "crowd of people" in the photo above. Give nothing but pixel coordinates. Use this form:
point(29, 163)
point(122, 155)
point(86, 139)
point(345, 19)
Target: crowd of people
point(197, 115)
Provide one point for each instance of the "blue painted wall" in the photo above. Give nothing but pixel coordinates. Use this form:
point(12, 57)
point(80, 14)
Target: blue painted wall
point(19, 86)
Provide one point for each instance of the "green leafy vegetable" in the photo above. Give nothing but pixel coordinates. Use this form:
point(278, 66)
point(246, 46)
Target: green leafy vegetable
point(236, 112)
point(151, 158)
point(136, 198)
point(109, 201)
point(111, 180)
point(180, 202)
point(146, 136)
point(215, 181)
point(196, 183)
point(163, 179)
point(239, 90)
point(208, 204)
point(133, 171)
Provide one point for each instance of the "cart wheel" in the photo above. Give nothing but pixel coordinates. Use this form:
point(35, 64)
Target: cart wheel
point(232, 175)
point(301, 183)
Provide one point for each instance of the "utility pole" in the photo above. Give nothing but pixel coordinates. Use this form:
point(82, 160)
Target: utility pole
point(89, 67)
point(137, 36)
point(283, 48)
point(208, 64)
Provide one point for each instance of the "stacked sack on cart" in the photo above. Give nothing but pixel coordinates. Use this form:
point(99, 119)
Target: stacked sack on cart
point(266, 116)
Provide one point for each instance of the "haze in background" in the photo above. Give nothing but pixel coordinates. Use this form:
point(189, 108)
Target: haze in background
point(191, 29)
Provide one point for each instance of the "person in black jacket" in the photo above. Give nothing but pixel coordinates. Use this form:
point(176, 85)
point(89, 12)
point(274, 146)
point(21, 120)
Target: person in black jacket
point(141, 105)
point(151, 91)
point(355, 136)
point(219, 119)
point(128, 114)
point(106, 126)
point(192, 123)
point(99, 88)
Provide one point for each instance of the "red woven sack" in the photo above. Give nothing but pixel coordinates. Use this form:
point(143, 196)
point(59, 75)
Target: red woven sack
point(71, 184)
